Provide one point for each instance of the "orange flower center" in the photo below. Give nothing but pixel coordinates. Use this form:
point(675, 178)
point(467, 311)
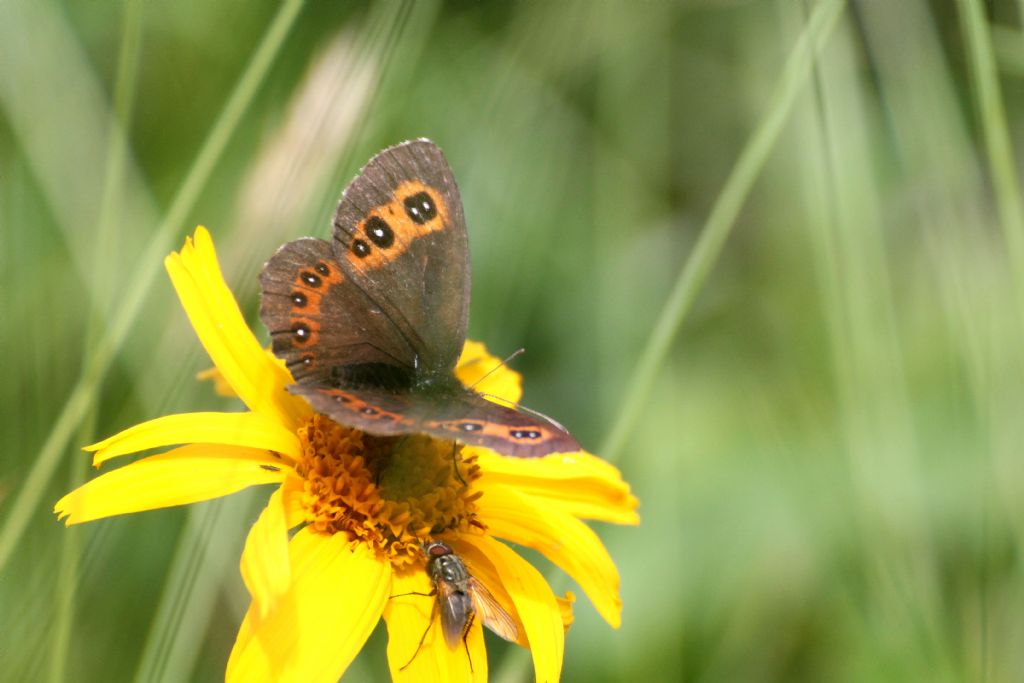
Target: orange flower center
point(391, 493)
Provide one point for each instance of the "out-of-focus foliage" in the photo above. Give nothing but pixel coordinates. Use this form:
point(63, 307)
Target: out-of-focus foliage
point(829, 459)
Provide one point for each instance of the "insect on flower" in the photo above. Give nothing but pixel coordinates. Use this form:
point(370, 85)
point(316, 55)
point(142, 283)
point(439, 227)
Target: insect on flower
point(364, 481)
point(460, 597)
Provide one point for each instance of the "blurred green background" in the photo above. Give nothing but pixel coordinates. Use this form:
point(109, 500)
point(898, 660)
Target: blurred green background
point(765, 255)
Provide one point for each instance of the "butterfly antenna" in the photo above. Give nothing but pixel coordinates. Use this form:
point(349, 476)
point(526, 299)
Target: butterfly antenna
point(512, 356)
point(531, 411)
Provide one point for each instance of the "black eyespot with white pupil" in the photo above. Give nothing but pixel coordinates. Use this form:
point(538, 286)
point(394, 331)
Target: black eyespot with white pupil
point(323, 269)
point(524, 433)
point(301, 332)
point(360, 248)
point(299, 299)
point(420, 207)
point(369, 410)
point(379, 232)
point(311, 279)
point(470, 426)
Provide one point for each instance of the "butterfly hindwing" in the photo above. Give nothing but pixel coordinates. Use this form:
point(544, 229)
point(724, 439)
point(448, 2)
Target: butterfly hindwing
point(456, 414)
point(376, 411)
point(471, 419)
point(400, 235)
point(321, 324)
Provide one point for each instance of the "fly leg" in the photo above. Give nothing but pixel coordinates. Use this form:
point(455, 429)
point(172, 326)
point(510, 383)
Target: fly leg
point(433, 615)
point(465, 644)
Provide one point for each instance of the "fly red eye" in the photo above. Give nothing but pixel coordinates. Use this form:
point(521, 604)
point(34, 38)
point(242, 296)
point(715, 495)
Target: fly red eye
point(438, 550)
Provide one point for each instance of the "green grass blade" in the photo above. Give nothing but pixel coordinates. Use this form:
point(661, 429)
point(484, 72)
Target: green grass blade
point(995, 131)
point(720, 222)
point(87, 387)
point(124, 97)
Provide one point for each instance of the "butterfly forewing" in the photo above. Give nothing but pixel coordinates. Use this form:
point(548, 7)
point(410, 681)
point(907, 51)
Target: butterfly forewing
point(400, 235)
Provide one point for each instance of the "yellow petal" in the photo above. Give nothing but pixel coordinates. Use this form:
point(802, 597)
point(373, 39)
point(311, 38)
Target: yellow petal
point(211, 308)
point(560, 537)
point(486, 374)
point(252, 430)
point(220, 385)
point(184, 475)
point(565, 605)
point(336, 597)
point(408, 618)
point(536, 605)
point(579, 484)
point(265, 566)
point(294, 491)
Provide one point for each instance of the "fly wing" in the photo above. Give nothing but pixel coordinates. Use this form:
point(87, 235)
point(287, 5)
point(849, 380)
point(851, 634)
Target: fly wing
point(493, 614)
point(456, 610)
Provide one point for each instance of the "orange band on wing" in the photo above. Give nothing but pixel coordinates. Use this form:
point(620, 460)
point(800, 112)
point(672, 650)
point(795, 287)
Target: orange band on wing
point(308, 290)
point(387, 231)
point(529, 434)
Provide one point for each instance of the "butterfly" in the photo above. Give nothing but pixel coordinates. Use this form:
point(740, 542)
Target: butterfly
point(460, 597)
point(372, 323)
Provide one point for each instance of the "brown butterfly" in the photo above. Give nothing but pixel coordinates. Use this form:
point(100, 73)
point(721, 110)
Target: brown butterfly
point(372, 323)
point(460, 597)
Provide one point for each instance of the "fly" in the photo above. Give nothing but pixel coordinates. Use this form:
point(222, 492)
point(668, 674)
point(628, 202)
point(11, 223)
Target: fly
point(459, 598)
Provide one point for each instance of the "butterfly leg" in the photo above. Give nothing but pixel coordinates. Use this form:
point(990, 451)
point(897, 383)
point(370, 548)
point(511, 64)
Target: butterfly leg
point(455, 463)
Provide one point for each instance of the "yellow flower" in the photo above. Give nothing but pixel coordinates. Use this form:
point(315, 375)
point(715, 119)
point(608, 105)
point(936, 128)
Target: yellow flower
point(362, 506)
